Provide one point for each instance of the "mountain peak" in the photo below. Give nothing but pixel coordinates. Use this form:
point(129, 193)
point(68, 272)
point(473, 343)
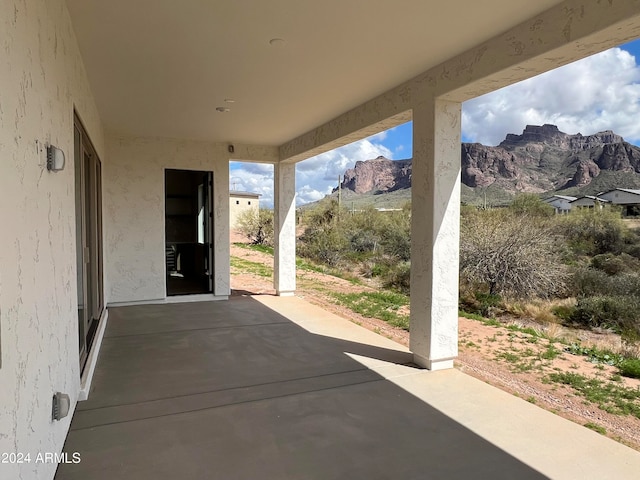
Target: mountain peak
point(550, 135)
point(540, 159)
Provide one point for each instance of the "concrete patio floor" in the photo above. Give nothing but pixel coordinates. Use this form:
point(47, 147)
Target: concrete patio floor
point(275, 388)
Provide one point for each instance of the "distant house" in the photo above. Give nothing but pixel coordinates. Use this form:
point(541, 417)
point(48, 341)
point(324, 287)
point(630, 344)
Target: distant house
point(627, 198)
point(588, 201)
point(240, 202)
point(562, 203)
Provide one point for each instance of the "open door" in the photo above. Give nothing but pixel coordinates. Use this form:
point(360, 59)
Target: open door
point(188, 232)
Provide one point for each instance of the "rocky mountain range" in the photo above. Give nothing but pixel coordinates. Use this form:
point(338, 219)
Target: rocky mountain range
point(541, 159)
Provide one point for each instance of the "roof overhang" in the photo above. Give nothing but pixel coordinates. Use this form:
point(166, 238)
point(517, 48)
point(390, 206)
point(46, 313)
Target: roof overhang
point(162, 68)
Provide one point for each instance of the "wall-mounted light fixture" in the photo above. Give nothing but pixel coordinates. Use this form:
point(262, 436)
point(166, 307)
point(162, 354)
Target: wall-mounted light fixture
point(61, 405)
point(230, 149)
point(55, 159)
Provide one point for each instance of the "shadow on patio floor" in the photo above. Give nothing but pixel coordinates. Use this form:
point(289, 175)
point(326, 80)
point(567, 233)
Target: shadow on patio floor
point(234, 390)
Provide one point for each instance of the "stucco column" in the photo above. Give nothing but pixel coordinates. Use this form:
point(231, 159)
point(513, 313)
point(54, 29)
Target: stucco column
point(221, 242)
point(284, 272)
point(435, 233)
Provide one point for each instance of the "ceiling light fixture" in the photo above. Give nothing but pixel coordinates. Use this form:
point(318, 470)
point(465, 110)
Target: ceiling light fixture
point(276, 42)
point(229, 100)
point(223, 109)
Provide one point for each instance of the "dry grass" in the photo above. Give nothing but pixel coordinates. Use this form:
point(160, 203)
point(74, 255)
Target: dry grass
point(539, 311)
point(538, 315)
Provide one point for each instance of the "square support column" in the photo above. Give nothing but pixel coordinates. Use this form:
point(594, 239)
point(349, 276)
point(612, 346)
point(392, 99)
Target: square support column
point(284, 255)
point(435, 233)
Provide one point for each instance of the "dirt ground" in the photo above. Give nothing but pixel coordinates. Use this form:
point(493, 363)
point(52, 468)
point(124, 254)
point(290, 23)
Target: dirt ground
point(510, 360)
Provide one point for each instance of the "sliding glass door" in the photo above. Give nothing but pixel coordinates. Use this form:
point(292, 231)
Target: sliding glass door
point(88, 188)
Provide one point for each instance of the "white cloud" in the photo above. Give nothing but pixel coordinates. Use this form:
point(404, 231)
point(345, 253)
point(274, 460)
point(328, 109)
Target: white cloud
point(319, 175)
point(315, 177)
point(307, 194)
point(597, 93)
point(253, 177)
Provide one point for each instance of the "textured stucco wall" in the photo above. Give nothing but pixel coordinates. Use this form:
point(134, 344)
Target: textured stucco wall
point(435, 233)
point(42, 78)
point(134, 212)
point(284, 278)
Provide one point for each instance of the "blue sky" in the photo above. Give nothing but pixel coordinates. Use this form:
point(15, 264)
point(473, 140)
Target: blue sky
point(601, 92)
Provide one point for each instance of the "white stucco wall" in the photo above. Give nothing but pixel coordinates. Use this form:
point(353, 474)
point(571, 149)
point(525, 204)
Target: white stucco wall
point(284, 275)
point(134, 213)
point(42, 78)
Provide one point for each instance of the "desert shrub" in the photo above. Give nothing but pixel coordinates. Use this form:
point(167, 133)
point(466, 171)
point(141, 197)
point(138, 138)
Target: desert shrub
point(587, 282)
point(563, 312)
point(329, 246)
point(614, 264)
point(633, 250)
point(396, 237)
point(481, 303)
point(324, 214)
point(625, 284)
point(508, 254)
point(618, 312)
point(257, 226)
point(530, 204)
point(630, 367)
point(362, 240)
point(632, 243)
point(594, 231)
point(334, 235)
point(325, 239)
point(397, 277)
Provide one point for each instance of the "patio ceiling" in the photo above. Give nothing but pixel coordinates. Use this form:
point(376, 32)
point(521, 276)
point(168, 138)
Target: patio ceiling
point(161, 67)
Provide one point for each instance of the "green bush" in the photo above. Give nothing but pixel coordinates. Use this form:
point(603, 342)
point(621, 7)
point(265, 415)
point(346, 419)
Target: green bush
point(328, 246)
point(630, 367)
point(257, 226)
point(617, 312)
point(335, 236)
point(530, 204)
point(594, 231)
point(625, 284)
point(398, 276)
point(484, 304)
point(633, 250)
point(563, 312)
point(591, 282)
point(614, 264)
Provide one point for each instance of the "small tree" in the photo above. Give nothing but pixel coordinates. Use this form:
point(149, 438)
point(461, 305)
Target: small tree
point(510, 254)
point(325, 239)
point(530, 204)
point(257, 226)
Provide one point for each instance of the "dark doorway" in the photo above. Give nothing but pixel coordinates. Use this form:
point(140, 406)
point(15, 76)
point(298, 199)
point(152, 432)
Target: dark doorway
point(188, 232)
